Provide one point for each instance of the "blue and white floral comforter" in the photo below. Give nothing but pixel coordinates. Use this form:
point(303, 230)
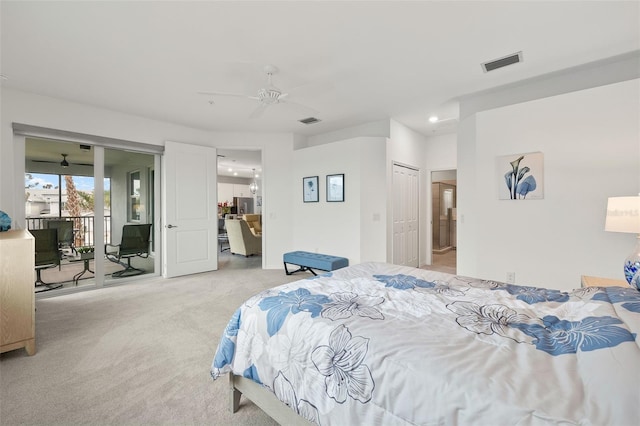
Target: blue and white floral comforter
point(378, 344)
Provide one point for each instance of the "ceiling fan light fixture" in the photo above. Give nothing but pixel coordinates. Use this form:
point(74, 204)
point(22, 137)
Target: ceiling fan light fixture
point(64, 163)
point(266, 96)
point(269, 96)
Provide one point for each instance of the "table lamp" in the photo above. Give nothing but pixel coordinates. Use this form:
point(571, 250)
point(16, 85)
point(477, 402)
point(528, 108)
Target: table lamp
point(623, 215)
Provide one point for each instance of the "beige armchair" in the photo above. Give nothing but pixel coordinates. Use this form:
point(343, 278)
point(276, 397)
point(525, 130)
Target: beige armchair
point(255, 223)
point(241, 239)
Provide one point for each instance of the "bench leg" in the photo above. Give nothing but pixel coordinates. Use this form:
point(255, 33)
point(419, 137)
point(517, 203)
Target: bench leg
point(300, 269)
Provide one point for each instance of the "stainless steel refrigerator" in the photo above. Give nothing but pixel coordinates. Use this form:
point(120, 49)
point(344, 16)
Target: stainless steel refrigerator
point(243, 205)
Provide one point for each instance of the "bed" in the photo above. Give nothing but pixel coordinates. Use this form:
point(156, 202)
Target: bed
point(379, 344)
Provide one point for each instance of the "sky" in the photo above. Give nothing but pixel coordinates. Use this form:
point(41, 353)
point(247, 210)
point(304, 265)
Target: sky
point(83, 183)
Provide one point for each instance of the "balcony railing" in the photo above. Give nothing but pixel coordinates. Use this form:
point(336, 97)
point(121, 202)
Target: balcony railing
point(82, 227)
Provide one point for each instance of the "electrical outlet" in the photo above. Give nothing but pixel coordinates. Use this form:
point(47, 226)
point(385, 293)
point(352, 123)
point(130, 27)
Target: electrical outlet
point(511, 277)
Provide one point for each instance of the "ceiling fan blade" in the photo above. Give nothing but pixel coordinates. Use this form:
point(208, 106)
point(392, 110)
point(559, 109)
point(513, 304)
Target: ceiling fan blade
point(57, 162)
point(282, 96)
point(237, 95)
point(258, 111)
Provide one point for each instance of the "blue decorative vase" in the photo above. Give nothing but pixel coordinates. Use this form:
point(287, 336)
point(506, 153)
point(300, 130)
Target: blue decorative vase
point(632, 267)
point(5, 221)
point(632, 274)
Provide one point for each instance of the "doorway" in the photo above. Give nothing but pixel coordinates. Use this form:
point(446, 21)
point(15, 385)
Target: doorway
point(444, 220)
point(240, 197)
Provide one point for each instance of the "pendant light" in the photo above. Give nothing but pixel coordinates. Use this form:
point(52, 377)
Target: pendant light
point(253, 187)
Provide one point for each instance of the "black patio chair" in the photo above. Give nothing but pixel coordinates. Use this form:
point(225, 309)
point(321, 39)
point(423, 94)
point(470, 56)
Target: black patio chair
point(135, 242)
point(47, 255)
point(223, 238)
point(65, 233)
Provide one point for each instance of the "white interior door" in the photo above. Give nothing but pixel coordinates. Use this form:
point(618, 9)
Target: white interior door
point(190, 211)
point(399, 237)
point(405, 216)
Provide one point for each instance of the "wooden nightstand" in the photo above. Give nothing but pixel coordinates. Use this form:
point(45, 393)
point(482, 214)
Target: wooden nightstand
point(587, 281)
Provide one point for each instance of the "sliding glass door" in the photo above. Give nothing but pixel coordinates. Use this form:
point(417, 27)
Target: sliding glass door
point(129, 238)
point(98, 200)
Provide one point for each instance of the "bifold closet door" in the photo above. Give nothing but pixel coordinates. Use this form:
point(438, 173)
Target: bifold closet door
point(405, 215)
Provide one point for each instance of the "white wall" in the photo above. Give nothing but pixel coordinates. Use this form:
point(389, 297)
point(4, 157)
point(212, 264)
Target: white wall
point(443, 175)
point(35, 110)
point(442, 152)
point(120, 197)
point(373, 200)
point(379, 128)
point(355, 228)
point(359, 228)
point(591, 146)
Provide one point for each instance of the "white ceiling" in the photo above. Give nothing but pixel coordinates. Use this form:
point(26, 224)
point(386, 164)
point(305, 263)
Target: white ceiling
point(352, 62)
point(239, 163)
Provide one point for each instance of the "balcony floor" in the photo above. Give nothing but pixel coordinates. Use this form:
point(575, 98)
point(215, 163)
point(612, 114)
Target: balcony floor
point(71, 266)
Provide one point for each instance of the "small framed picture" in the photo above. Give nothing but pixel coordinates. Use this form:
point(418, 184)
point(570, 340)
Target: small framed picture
point(310, 189)
point(335, 188)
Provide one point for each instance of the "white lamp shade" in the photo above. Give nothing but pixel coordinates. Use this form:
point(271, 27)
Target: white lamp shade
point(623, 215)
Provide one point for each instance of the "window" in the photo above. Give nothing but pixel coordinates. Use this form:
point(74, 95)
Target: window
point(134, 197)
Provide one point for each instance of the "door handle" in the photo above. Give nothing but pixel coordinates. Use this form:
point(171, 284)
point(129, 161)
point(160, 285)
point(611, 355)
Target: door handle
point(172, 226)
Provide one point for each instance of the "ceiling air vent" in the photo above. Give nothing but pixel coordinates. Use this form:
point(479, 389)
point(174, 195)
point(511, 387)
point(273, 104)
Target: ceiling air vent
point(502, 62)
point(309, 120)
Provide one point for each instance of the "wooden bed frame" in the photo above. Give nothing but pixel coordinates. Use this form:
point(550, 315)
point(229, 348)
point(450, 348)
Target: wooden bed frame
point(264, 399)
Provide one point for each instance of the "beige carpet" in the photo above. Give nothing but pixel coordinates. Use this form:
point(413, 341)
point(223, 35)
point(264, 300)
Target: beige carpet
point(132, 355)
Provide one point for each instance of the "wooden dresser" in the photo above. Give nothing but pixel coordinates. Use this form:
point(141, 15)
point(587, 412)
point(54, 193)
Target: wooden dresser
point(17, 296)
point(587, 281)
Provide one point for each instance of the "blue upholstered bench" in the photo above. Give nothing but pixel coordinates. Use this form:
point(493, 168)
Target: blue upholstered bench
point(309, 261)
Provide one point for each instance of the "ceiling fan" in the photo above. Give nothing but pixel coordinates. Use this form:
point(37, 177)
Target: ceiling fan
point(266, 96)
point(64, 163)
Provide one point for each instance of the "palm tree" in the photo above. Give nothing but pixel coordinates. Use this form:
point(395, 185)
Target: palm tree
point(73, 205)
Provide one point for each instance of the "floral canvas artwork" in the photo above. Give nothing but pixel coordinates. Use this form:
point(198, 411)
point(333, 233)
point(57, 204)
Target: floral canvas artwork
point(520, 176)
